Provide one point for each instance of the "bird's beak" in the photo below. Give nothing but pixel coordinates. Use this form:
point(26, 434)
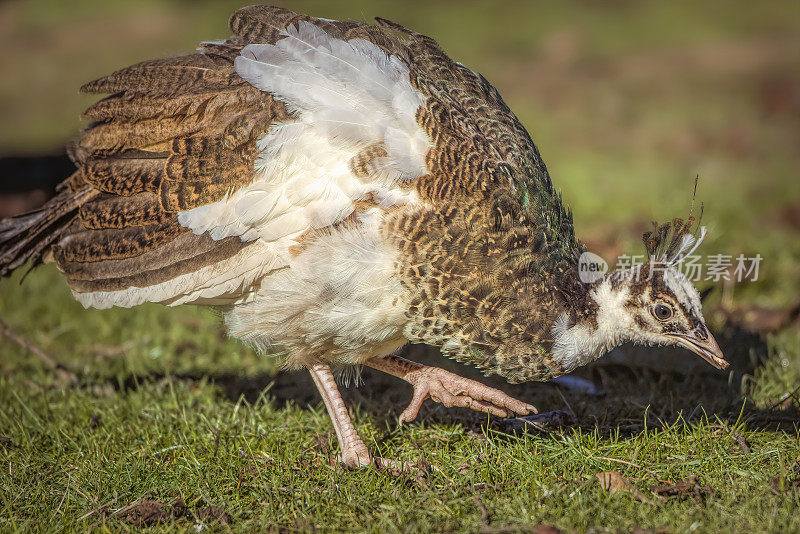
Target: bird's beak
point(706, 348)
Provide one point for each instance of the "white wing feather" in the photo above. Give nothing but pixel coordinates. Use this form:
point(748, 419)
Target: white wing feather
point(345, 96)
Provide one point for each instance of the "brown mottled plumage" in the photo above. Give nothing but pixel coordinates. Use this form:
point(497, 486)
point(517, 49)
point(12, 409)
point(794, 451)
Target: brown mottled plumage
point(340, 189)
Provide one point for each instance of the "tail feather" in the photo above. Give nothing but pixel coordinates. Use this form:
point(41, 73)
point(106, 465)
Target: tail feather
point(29, 236)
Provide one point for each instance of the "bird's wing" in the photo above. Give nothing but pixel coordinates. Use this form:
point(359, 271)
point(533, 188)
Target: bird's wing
point(206, 172)
point(175, 134)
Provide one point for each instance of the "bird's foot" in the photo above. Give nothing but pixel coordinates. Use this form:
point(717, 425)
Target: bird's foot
point(355, 455)
point(359, 459)
point(383, 464)
point(451, 390)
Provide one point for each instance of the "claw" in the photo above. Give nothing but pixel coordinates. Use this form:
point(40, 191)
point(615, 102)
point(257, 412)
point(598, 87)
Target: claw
point(448, 389)
point(452, 390)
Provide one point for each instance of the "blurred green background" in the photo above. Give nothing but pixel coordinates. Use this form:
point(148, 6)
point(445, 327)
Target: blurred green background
point(627, 102)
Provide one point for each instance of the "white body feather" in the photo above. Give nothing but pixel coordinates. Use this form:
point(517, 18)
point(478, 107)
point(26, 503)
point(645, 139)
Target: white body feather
point(346, 96)
point(339, 301)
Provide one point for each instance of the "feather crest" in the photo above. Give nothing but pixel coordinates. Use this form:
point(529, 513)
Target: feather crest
point(670, 243)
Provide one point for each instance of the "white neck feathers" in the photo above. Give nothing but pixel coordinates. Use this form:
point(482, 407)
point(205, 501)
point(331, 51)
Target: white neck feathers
point(577, 344)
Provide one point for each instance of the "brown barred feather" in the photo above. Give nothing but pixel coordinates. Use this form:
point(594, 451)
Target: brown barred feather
point(491, 260)
point(30, 236)
point(195, 73)
point(114, 211)
point(363, 164)
point(184, 246)
point(264, 24)
point(105, 244)
point(175, 134)
point(124, 174)
point(184, 254)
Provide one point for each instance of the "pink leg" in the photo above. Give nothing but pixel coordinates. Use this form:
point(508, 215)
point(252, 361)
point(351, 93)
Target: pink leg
point(354, 451)
point(447, 388)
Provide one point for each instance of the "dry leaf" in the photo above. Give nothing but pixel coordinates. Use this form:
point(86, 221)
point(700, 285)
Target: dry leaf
point(613, 482)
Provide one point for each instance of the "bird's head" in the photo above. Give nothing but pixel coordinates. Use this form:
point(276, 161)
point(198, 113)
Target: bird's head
point(656, 304)
point(650, 304)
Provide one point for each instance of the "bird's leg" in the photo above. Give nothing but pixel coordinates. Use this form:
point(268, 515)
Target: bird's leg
point(354, 451)
point(447, 388)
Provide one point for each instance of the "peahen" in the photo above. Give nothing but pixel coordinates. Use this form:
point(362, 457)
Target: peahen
point(339, 189)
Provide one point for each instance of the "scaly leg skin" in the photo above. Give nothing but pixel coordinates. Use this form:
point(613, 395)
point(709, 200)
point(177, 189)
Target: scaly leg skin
point(354, 452)
point(447, 388)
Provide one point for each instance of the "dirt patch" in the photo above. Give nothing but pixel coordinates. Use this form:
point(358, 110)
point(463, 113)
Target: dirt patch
point(779, 95)
point(684, 489)
point(760, 319)
point(789, 216)
point(149, 512)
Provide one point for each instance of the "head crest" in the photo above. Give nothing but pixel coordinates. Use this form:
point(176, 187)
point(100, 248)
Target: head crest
point(671, 242)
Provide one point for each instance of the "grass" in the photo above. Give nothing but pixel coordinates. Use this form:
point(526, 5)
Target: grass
point(258, 462)
point(171, 425)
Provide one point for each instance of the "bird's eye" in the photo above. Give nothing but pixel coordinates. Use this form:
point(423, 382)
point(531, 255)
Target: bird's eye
point(662, 312)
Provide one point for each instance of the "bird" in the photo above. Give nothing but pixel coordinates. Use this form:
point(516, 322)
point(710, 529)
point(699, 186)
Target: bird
point(339, 189)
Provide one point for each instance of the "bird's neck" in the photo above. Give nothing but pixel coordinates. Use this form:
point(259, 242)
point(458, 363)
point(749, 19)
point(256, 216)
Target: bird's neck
point(596, 323)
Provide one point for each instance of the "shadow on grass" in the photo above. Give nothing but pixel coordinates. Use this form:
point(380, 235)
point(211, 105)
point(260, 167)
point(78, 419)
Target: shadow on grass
point(641, 387)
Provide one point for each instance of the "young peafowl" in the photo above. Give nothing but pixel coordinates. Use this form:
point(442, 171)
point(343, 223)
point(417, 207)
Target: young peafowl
point(338, 190)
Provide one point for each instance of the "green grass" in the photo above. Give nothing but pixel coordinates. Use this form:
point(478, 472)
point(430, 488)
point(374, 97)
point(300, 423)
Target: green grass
point(627, 102)
point(184, 413)
point(258, 462)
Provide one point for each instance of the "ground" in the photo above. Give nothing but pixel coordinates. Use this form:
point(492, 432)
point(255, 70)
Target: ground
point(158, 420)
